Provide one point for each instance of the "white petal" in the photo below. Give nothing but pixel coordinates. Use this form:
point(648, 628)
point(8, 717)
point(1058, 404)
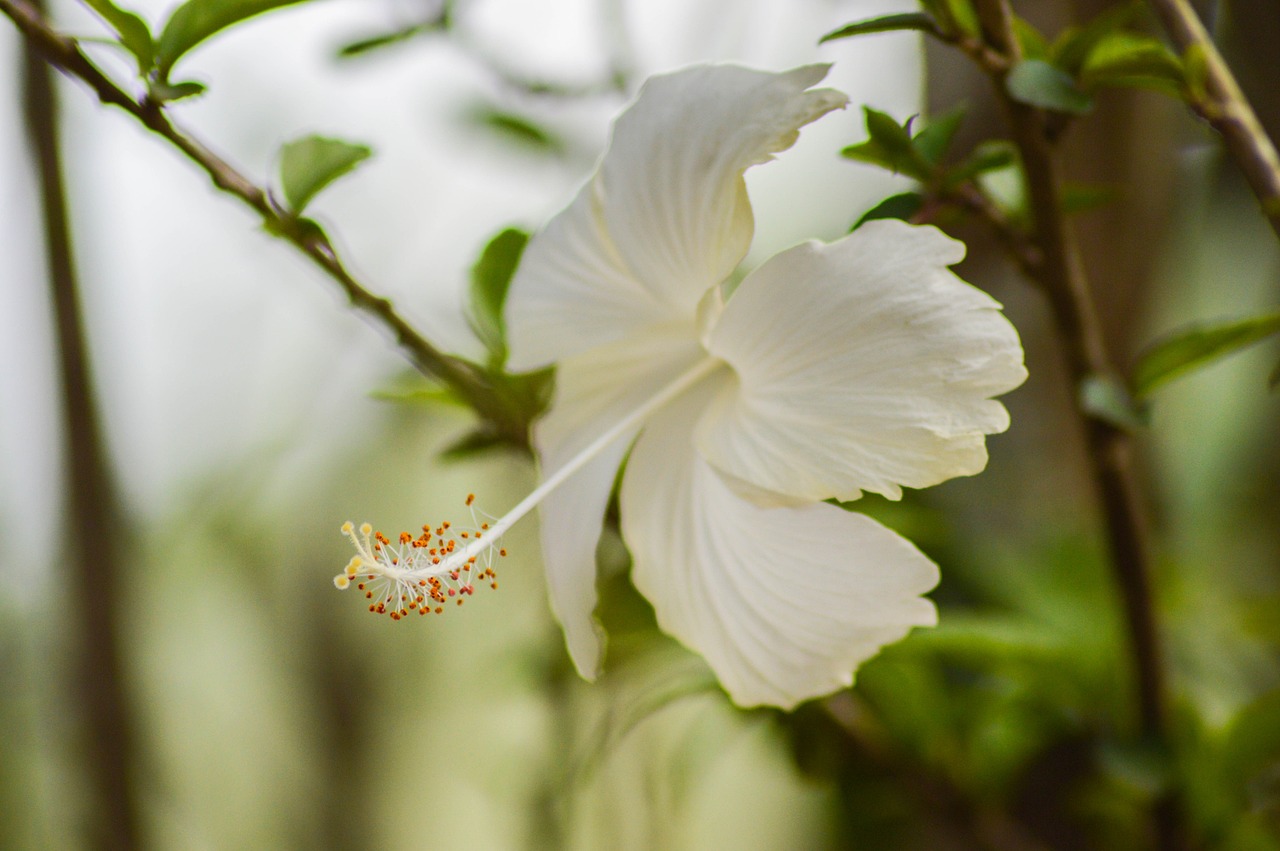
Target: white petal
point(665, 217)
point(862, 365)
point(785, 602)
point(593, 392)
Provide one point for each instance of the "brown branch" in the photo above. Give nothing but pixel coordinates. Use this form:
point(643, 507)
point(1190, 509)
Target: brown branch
point(93, 521)
point(1062, 276)
point(1226, 107)
point(469, 382)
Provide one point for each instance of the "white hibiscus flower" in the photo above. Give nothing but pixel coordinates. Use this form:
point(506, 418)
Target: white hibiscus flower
point(833, 369)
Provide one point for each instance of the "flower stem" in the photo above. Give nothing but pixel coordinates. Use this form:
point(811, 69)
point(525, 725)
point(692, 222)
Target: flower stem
point(1061, 275)
point(92, 534)
point(1224, 106)
point(503, 415)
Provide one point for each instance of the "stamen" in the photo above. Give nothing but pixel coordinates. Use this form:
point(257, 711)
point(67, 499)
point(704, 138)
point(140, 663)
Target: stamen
point(409, 575)
point(421, 574)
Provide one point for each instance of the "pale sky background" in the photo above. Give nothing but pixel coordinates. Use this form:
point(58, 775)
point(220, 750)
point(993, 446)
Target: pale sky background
point(212, 341)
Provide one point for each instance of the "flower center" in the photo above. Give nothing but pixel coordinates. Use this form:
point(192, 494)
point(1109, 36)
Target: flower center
point(421, 573)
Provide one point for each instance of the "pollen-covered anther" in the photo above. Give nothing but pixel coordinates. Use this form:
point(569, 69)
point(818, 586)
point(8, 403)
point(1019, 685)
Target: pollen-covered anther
point(402, 574)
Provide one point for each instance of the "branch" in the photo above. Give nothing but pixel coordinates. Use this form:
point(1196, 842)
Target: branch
point(467, 380)
point(1226, 107)
point(1062, 276)
point(92, 520)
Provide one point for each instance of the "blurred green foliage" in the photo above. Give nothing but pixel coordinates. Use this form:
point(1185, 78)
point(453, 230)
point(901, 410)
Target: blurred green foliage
point(277, 714)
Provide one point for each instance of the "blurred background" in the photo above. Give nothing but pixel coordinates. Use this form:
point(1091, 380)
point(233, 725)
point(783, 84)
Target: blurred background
point(244, 422)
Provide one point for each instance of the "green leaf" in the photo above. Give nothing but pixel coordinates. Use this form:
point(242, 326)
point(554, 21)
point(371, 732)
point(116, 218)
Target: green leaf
point(1127, 59)
point(1145, 766)
point(1253, 739)
point(490, 278)
point(133, 31)
point(377, 42)
point(1080, 197)
point(902, 206)
point(888, 23)
point(890, 146)
point(1038, 83)
point(955, 16)
point(1273, 380)
point(162, 92)
point(1075, 44)
point(1196, 346)
point(310, 164)
point(430, 397)
point(515, 128)
point(471, 444)
point(1030, 40)
point(1105, 397)
point(991, 155)
point(933, 141)
point(1195, 66)
point(196, 20)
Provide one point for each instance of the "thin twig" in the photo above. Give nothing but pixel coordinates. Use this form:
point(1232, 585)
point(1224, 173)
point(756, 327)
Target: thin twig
point(1025, 252)
point(92, 535)
point(1063, 278)
point(469, 382)
point(1226, 107)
